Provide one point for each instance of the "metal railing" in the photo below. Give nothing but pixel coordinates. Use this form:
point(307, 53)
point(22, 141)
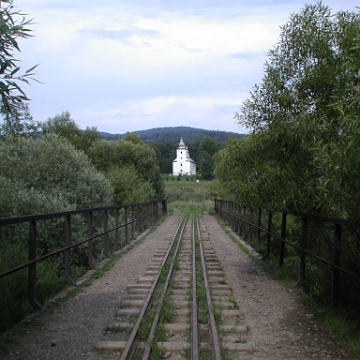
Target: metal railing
point(249, 225)
point(129, 218)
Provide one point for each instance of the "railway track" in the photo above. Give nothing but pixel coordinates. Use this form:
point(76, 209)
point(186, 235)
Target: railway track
point(181, 308)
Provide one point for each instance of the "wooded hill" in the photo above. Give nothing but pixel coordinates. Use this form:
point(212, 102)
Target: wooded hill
point(172, 135)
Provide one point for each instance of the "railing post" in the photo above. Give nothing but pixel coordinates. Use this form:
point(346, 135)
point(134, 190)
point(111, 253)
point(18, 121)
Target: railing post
point(132, 222)
point(232, 205)
point(116, 240)
point(304, 237)
point(258, 230)
point(335, 284)
point(138, 219)
point(90, 242)
point(32, 268)
point(106, 235)
point(147, 215)
point(126, 225)
point(251, 221)
point(282, 241)
point(268, 241)
point(143, 218)
point(152, 213)
point(68, 278)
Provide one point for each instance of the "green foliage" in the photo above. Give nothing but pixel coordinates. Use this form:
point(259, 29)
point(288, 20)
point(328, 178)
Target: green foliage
point(201, 152)
point(172, 135)
point(19, 122)
point(128, 186)
point(12, 95)
point(165, 153)
point(63, 126)
point(131, 166)
point(189, 195)
point(304, 149)
point(48, 174)
point(43, 175)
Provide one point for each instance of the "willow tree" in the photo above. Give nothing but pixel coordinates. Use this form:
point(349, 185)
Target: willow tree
point(13, 25)
point(305, 113)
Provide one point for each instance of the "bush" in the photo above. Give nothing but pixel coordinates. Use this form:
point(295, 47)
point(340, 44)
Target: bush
point(41, 176)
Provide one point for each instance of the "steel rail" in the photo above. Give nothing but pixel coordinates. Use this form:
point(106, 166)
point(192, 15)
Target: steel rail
point(215, 342)
point(154, 325)
point(129, 347)
point(194, 316)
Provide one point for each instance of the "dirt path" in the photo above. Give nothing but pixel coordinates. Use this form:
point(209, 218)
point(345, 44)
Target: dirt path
point(280, 326)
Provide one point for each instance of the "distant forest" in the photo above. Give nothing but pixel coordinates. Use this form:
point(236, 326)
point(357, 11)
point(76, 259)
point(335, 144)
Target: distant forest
point(202, 144)
point(172, 135)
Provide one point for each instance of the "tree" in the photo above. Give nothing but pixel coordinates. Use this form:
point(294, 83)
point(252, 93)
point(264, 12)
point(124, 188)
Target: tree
point(66, 127)
point(209, 145)
point(165, 153)
point(206, 165)
point(143, 158)
point(19, 122)
point(132, 168)
point(306, 113)
point(12, 97)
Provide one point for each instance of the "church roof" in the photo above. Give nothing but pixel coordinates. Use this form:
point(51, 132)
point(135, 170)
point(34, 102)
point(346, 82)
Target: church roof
point(181, 143)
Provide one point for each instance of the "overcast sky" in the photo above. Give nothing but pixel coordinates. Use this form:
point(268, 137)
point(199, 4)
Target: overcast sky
point(139, 64)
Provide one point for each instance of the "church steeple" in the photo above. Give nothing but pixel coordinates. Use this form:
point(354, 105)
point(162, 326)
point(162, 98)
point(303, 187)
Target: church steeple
point(181, 143)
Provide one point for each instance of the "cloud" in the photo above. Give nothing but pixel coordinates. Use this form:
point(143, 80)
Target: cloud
point(129, 65)
point(206, 112)
point(122, 35)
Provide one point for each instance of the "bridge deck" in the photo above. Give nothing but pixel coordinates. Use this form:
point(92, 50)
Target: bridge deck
point(281, 327)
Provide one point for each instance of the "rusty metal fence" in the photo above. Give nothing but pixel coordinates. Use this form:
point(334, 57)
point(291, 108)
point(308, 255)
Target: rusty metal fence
point(313, 240)
point(127, 219)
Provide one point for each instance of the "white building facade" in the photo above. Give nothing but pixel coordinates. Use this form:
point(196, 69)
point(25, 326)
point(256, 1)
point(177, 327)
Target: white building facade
point(183, 164)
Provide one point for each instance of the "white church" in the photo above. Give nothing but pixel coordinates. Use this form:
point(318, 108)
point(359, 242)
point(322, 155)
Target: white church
point(183, 164)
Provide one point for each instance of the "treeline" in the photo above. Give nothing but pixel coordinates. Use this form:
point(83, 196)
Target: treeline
point(304, 149)
point(201, 152)
point(172, 135)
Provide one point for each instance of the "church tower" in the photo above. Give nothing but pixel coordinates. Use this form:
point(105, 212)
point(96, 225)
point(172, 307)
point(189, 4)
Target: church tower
point(183, 164)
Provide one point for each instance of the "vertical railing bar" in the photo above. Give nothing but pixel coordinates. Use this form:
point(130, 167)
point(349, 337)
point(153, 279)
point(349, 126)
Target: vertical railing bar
point(282, 241)
point(258, 241)
point(335, 285)
point(268, 240)
point(132, 222)
point(90, 242)
point(251, 221)
point(105, 236)
point(68, 278)
point(126, 225)
point(116, 239)
point(32, 268)
point(304, 240)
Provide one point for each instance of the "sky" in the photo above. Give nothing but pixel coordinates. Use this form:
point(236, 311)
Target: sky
point(123, 66)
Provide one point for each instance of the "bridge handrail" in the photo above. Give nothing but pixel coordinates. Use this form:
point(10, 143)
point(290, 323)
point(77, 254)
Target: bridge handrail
point(231, 212)
point(149, 212)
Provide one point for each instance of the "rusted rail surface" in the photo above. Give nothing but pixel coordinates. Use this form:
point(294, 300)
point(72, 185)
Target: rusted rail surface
point(183, 268)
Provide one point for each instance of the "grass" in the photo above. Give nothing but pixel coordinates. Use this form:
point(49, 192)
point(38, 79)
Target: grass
point(189, 196)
